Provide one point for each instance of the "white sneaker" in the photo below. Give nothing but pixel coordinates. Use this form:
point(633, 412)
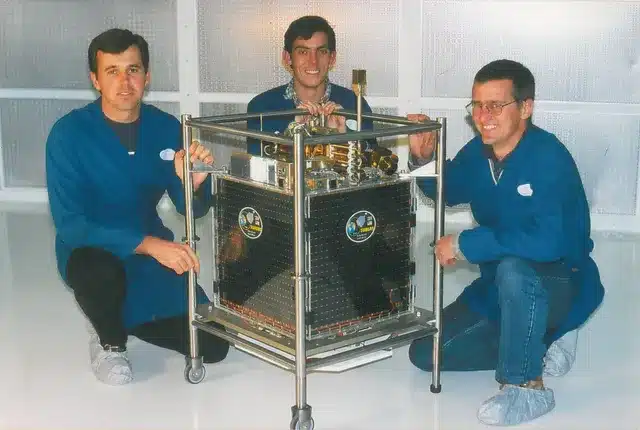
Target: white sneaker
point(561, 355)
point(110, 364)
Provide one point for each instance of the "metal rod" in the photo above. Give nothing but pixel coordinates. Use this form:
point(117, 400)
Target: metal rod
point(189, 231)
point(378, 117)
point(300, 278)
point(239, 117)
point(408, 127)
point(359, 111)
point(260, 135)
point(441, 154)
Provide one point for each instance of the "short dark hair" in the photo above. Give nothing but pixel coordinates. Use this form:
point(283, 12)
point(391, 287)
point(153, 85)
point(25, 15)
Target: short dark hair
point(524, 84)
point(116, 41)
point(305, 27)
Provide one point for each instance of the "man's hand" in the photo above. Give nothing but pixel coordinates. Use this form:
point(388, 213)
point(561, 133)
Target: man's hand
point(445, 251)
point(421, 144)
point(197, 151)
point(315, 109)
point(176, 256)
point(334, 121)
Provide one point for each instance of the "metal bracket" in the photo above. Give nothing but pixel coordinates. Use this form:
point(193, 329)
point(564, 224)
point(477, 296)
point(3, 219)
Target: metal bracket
point(295, 278)
point(200, 167)
point(196, 238)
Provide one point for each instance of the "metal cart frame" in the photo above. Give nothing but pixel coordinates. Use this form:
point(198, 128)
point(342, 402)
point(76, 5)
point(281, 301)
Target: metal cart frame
point(301, 411)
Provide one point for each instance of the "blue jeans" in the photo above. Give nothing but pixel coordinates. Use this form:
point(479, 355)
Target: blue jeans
point(532, 297)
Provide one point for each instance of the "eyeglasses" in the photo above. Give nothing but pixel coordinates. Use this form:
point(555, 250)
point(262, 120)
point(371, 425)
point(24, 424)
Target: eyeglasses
point(494, 108)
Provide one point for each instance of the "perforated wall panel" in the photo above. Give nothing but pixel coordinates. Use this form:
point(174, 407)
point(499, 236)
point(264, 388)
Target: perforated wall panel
point(25, 125)
point(222, 146)
point(578, 50)
point(172, 108)
point(44, 43)
point(241, 42)
point(459, 129)
point(606, 149)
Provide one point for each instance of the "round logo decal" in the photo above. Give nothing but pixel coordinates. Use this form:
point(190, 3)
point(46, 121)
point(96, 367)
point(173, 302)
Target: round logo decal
point(360, 226)
point(250, 222)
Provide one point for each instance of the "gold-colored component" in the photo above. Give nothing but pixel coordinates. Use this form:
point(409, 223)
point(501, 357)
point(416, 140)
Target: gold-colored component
point(332, 156)
point(338, 153)
point(358, 81)
point(314, 151)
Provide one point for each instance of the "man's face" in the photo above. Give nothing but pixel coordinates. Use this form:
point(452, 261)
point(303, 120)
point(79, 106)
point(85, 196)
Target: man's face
point(503, 128)
point(310, 60)
point(121, 79)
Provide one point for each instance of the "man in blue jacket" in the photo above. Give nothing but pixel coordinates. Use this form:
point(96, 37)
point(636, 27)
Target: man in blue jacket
point(309, 54)
point(108, 164)
point(532, 243)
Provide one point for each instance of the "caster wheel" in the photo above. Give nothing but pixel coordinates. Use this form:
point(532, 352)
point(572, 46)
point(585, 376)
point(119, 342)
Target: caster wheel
point(306, 426)
point(194, 376)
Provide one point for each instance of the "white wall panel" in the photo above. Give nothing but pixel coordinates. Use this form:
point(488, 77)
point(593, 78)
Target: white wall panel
point(394, 143)
point(25, 127)
point(578, 50)
point(459, 130)
point(172, 108)
point(384, 110)
point(241, 42)
point(44, 43)
point(606, 150)
point(223, 145)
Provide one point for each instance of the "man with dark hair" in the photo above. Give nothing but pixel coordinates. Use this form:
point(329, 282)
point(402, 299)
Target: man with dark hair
point(538, 281)
point(309, 54)
point(114, 41)
point(108, 165)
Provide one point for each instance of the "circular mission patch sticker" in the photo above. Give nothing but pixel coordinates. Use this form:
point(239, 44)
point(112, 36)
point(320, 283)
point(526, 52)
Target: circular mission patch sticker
point(250, 222)
point(360, 226)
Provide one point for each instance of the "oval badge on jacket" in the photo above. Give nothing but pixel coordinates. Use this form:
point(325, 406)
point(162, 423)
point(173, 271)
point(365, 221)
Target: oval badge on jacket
point(525, 190)
point(167, 154)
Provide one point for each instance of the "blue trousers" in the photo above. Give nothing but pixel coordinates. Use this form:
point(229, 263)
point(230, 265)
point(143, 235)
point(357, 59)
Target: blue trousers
point(533, 298)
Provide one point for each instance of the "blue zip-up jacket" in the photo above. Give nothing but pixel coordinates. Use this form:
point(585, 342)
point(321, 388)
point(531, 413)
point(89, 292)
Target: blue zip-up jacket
point(100, 196)
point(537, 210)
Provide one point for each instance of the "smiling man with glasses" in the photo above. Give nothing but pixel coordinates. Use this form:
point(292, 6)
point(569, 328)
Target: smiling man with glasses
point(532, 242)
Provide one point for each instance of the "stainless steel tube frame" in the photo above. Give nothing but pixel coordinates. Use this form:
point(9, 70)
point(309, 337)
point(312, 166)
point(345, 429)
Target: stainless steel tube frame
point(409, 127)
point(190, 239)
point(359, 110)
point(441, 155)
point(239, 117)
point(302, 411)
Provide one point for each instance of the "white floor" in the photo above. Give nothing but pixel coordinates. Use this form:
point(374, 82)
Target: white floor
point(46, 382)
